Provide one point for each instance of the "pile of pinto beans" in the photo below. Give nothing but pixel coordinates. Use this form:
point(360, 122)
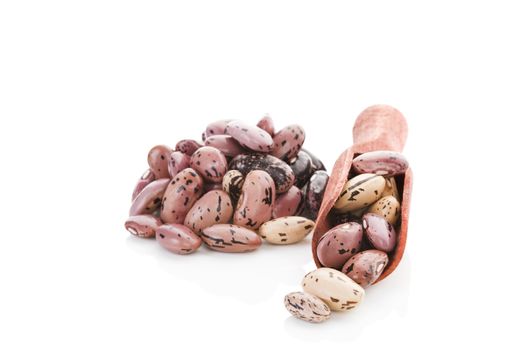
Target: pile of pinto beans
point(241, 185)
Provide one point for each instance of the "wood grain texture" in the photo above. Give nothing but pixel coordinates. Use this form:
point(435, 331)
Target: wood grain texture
point(378, 127)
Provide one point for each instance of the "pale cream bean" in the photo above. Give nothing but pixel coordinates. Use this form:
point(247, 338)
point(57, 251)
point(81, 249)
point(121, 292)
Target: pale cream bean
point(391, 188)
point(359, 192)
point(286, 230)
point(388, 207)
point(334, 288)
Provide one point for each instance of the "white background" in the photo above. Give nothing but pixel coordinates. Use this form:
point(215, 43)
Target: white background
point(87, 87)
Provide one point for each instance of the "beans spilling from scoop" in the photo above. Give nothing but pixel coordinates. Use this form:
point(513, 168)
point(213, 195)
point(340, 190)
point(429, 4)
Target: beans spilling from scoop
point(355, 250)
point(242, 185)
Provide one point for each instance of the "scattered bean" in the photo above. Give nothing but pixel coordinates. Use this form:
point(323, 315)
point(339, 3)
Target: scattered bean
point(306, 307)
point(335, 288)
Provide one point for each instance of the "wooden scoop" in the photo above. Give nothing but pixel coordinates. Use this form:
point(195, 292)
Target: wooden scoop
point(378, 127)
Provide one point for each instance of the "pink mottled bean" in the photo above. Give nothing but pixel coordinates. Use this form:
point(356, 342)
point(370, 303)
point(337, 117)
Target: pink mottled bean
point(288, 203)
point(210, 163)
point(380, 233)
point(150, 198)
point(288, 142)
point(255, 205)
point(187, 146)
point(158, 158)
point(178, 161)
point(144, 180)
point(178, 239)
point(216, 128)
point(142, 225)
point(182, 192)
point(338, 244)
point(365, 267)
point(215, 207)
point(230, 238)
point(266, 123)
point(226, 144)
point(387, 163)
point(250, 136)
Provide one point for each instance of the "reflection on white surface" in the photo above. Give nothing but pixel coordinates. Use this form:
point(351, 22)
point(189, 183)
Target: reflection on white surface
point(254, 278)
point(251, 277)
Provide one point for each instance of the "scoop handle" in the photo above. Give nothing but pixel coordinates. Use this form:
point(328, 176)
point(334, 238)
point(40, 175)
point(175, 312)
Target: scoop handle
point(379, 127)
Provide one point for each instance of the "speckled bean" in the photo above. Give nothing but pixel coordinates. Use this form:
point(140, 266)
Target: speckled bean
point(379, 232)
point(289, 203)
point(226, 144)
point(307, 307)
point(386, 163)
point(144, 180)
point(338, 244)
point(360, 192)
point(365, 267)
point(178, 238)
point(230, 238)
point(257, 200)
point(280, 172)
point(158, 158)
point(187, 146)
point(214, 207)
point(210, 163)
point(335, 288)
point(216, 128)
point(288, 142)
point(314, 192)
point(391, 188)
point(266, 123)
point(232, 184)
point(142, 225)
point(316, 162)
point(286, 230)
point(388, 207)
point(302, 168)
point(149, 198)
point(178, 162)
point(250, 136)
point(182, 192)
